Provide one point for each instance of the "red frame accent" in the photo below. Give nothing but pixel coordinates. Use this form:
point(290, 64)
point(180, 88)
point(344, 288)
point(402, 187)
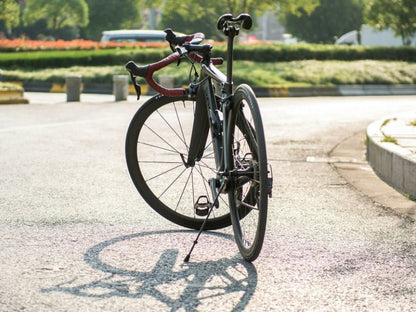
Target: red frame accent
point(158, 65)
point(165, 62)
point(215, 60)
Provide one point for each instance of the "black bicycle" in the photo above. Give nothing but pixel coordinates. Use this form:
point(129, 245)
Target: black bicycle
point(197, 155)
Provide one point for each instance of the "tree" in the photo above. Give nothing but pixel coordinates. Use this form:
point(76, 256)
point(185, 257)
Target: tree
point(399, 15)
point(329, 20)
point(56, 13)
point(297, 6)
point(111, 14)
point(9, 14)
point(186, 18)
point(202, 15)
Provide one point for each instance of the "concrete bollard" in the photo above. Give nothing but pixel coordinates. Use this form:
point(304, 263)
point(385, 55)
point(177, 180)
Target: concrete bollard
point(73, 88)
point(166, 81)
point(121, 87)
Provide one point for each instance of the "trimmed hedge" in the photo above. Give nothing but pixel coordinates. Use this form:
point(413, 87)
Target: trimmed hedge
point(256, 53)
point(296, 73)
point(52, 59)
point(296, 52)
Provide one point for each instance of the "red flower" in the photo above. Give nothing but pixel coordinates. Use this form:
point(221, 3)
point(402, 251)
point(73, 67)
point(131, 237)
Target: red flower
point(77, 44)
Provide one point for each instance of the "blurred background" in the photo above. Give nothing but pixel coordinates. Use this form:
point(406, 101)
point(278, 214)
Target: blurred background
point(311, 21)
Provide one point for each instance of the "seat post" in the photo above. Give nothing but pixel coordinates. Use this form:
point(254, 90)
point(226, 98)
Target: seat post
point(231, 33)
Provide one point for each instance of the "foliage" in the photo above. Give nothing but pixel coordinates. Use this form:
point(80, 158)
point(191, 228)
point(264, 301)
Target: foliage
point(15, 45)
point(289, 52)
point(331, 19)
point(399, 15)
point(270, 53)
point(94, 74)
point(389, 139)
point(203, 14)
point(9, 13)
point(66, 17)
point(186, 18)
point(295, 73)
point(51, 59)
point(111, 14)
point(10, 86)
point(348, 72)
point(57, 13)
point(297, 6)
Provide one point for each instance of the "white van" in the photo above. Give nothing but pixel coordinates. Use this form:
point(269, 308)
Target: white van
point(371, 36)
point(133, 36)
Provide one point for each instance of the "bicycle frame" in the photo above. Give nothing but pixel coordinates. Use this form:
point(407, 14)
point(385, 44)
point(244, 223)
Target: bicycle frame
point(240, 168)
point(216, 88)
point(213, 84)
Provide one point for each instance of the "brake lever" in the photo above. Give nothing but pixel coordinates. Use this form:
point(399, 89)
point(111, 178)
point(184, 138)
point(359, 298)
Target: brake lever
point(136, 86)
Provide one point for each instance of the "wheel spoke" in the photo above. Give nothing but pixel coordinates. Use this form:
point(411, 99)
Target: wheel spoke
point(157, 137)
point(159, 147)
point(163, 139)
point(182, 138)
point(163, 173)
point(184, 188)
point(172, 183)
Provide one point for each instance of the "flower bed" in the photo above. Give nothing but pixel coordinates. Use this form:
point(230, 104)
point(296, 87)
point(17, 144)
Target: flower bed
point(15, 45)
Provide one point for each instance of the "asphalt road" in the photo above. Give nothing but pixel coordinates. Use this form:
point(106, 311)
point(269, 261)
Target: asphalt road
point(75, 235)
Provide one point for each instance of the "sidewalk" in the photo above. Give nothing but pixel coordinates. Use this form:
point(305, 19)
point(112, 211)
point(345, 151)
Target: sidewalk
point(391, 151)
point(340, 90)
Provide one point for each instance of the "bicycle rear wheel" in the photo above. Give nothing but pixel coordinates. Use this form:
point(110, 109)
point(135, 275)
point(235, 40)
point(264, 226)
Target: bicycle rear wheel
point(157, 143)
point(248, 195)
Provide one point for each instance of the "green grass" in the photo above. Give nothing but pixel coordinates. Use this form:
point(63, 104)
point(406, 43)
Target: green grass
point(295, 73)
point(89, 73)
point(9, 86)
point(389, 139)
point(385, 122)
point(413, 123)
point(312, 72)
point(411, 197)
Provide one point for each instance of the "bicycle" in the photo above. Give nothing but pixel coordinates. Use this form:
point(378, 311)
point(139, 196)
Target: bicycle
point(197, 154)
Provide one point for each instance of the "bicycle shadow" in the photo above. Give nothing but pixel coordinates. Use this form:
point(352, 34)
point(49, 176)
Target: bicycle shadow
point(170, 281)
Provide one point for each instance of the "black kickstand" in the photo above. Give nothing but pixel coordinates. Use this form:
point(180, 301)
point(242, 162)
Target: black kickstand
point(212, 205)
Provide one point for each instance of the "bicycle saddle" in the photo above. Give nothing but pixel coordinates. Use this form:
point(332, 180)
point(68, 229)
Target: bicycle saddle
point(226, 20)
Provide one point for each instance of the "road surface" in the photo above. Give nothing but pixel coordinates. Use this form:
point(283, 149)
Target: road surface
point(76, 236)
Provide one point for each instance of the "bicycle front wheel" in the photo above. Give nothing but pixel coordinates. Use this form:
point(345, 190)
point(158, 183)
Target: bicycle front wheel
point(157, 143)
point(248, 196)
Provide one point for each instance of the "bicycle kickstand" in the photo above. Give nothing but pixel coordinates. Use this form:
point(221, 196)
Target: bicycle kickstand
point(211, 207)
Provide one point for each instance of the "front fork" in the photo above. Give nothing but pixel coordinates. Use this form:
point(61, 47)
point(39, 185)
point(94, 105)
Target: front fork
point(222, 150)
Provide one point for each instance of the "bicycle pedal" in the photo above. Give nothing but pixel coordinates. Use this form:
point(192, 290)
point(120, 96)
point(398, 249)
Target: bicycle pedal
point(202, 206)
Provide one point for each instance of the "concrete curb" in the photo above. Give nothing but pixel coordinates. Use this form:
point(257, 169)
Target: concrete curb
point(356, 171)
point(340, 90)
point(393, 163)
point(12, 97)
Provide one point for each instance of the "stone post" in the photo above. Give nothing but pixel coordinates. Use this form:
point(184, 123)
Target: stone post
point(166, 81)
point(121, 87)
point(73, 88)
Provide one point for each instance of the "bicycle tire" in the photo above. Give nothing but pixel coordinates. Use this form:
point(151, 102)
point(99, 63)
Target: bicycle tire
point(158, 134)
point(248, 196)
